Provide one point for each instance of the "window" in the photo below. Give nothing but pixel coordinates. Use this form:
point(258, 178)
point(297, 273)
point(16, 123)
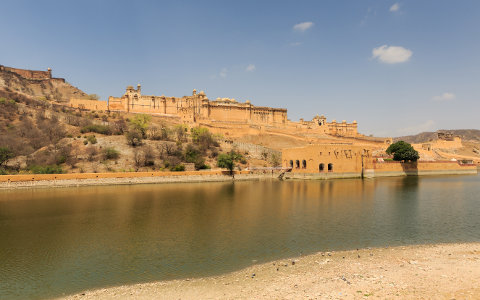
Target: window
point(330, 167)
point(321, 167)
point(291, 164)
point(304, 164)
point(297, 164)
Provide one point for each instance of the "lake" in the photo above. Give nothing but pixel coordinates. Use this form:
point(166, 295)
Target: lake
point(60, 241)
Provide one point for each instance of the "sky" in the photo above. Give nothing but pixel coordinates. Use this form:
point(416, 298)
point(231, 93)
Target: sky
point(396, 67)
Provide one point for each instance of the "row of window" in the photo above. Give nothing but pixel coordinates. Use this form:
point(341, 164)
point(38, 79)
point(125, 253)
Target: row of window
point(321, 167)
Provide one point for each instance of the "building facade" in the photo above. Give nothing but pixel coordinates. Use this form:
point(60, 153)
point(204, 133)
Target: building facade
point(198, 108)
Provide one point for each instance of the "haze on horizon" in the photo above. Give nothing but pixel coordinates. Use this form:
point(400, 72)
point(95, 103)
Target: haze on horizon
point(397, 67)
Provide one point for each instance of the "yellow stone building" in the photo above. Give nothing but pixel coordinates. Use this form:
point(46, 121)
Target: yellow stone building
point(197, 108)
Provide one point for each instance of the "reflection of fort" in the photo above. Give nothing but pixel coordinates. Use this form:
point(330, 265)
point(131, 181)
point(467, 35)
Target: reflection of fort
point(198, 108)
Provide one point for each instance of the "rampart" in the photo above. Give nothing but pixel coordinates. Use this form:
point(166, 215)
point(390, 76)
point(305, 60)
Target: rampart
point(82, 179)
point(29, 74)
point(394, 168)
point(88, 104)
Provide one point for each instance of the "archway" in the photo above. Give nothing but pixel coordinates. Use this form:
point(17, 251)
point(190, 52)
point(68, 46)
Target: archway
point(330, 167)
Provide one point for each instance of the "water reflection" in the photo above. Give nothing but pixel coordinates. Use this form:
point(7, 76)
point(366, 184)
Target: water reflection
point(67, 240)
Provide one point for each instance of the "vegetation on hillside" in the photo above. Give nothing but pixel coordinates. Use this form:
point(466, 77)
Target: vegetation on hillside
point(38, 136)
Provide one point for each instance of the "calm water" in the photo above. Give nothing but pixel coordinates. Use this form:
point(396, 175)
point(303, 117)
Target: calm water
point(62, 241)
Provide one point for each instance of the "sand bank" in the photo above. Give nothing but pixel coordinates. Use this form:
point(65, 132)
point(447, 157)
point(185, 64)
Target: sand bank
point(444, 271)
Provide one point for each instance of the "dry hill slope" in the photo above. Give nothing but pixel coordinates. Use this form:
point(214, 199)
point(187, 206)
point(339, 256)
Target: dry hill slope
point(49, 89)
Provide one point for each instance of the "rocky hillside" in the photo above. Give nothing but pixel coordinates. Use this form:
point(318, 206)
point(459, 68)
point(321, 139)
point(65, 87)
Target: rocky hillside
point(41, 136)
point(465, 134)
point(44, 89)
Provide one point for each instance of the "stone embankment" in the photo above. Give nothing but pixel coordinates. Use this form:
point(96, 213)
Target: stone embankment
point(85, 179)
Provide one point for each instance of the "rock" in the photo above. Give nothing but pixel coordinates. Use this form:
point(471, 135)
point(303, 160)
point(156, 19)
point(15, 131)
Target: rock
point(293, 262)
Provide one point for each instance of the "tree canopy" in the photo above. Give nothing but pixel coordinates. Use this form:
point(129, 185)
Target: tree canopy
point(402, 151)
point(5, 155)
point(227, 160)
point(140, 123)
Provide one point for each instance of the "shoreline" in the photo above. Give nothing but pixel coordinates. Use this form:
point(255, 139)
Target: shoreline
point(9, 182)
point(440, 271)
point(112, 181)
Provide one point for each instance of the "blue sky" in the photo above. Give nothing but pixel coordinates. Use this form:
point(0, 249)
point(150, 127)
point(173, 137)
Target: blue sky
point(397, 67)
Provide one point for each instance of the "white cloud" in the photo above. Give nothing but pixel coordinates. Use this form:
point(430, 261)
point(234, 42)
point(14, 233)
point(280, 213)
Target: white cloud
point(391, 54)
point(445, 97)
point(295, 44)
point(250, 68)
point(395, 7)
point(428, 125)
point(302, 26)
point(223, 73)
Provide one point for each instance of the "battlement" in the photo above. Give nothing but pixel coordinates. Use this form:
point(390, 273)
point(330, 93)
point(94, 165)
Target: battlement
point(29, 74)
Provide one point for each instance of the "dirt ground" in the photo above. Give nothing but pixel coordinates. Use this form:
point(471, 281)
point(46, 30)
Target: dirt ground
point(445, 271)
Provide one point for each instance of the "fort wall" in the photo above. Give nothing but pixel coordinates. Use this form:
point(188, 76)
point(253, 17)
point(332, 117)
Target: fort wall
point(29, 74)
point(88, 104)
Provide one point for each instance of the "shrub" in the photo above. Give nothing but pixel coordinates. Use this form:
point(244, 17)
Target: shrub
point(53, 169)
point(178, 168)
point(102, 129)
point(5, 155)
point(91, 139)
point(134, 138)
point(111, 153)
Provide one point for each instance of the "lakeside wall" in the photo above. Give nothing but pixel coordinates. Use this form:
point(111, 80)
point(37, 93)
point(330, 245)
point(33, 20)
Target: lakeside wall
point(394, 168)
point(86, 179)
point(383, 169)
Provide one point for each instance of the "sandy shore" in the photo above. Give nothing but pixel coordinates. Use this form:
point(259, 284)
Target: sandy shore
point(444, 271)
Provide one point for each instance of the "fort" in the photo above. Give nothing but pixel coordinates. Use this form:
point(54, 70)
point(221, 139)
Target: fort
point(31, 74)
point(197, 108)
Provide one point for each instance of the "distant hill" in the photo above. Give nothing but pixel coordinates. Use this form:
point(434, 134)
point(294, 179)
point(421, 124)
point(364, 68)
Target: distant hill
point(38, 84)
point(465, 134)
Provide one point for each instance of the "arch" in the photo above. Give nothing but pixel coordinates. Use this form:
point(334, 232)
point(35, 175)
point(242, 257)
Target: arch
point(291, 164)
point(321, 167)
point(330, 167)
point(304, 164)
point(297, 164)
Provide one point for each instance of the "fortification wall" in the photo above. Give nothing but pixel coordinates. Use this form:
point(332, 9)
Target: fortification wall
point(88, 104)
point(42, 177)
point(29, 74)
point(392, 168)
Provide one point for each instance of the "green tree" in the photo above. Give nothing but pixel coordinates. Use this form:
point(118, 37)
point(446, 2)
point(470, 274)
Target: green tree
point(227, 160)
point(140, 123)
point(402, 151)
point(5, 155)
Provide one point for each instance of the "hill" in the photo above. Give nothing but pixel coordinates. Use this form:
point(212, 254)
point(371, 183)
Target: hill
point(466, 135)
point(38, 84)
